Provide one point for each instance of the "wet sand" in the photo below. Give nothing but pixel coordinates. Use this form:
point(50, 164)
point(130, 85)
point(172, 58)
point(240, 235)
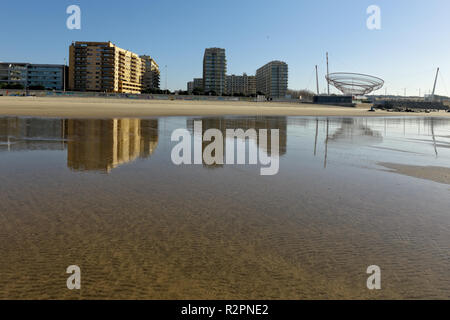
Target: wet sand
point(436, 174)
point(70, 107)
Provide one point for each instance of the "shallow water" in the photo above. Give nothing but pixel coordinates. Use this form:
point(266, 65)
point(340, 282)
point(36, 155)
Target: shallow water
point(104, 195)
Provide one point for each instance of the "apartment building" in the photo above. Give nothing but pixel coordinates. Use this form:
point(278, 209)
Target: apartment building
point(196, 83)
point(151, 76)
point(102, 66)
point(240, 85)
point(49, 76)
point(214, 71)
point(13, 73)
point(29, 75)
point(272, 79)
point(190, 87)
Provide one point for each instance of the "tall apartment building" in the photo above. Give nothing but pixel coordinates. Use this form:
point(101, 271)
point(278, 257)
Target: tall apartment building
point(102, 66)
point(214, 70)
point(29, 75)
point(272, 79)
point(151, 77)
point(242, 85)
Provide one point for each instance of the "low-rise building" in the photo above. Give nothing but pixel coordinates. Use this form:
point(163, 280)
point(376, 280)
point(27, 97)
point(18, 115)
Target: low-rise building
point(240, 85)
point(196, 83)
point(29, 75)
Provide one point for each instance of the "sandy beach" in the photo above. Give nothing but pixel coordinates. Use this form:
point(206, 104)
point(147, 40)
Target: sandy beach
point(70, 107)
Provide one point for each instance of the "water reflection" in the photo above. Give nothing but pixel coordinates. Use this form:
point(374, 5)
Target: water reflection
point(244, 123)
point(22, 134)
point(355, 131)
point(102, 145)
point(91, 145)
point(346, 131)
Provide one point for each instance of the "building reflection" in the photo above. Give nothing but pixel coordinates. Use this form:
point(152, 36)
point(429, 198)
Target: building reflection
point(244, 123)
point(102, 145)
point(26, 134)
point(91, 145)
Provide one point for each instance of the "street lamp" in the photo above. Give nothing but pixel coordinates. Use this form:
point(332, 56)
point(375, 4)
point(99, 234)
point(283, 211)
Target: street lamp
point(64, 75)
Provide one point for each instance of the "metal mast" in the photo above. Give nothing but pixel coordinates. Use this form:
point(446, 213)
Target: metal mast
point(328, 73)
point(317, 81)
point(434, 87)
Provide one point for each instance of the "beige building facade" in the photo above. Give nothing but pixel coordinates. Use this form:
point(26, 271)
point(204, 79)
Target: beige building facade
point(104, 67)
point(151, 76)
point(240, 85)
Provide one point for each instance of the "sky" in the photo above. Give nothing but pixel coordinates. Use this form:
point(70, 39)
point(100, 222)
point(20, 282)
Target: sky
point(412, 42)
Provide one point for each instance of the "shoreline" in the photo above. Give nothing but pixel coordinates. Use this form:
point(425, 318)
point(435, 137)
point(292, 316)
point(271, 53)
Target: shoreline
point(98, 107)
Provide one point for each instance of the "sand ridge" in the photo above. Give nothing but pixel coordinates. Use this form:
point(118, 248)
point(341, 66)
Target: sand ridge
point(432, 173)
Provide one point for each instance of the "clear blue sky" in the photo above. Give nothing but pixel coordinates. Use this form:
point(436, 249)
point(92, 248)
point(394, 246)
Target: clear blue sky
point(412, 42)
